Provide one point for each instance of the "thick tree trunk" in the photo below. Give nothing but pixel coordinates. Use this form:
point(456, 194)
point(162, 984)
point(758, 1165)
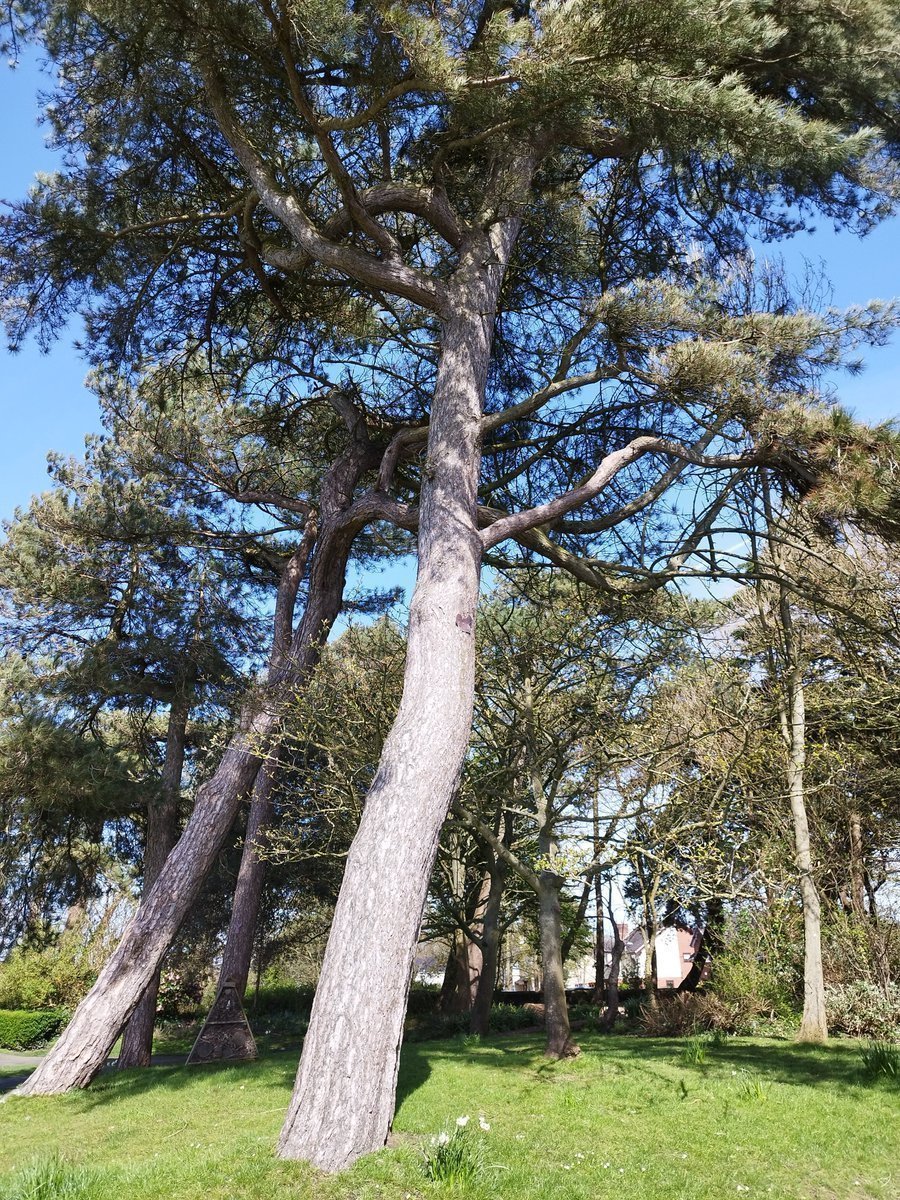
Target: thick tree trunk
point(82, 1050)
point(343, 1101)
point(456, 989)
point(814, 1023)
point(556, 1009)
point(162, 834)
point(490, 948)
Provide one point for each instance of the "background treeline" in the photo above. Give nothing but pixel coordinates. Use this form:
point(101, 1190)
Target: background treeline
point(636, 759)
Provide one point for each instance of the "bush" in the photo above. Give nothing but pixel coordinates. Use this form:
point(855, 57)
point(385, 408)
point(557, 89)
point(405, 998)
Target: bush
point(55, 976)
point(25, 1030)
point(179, 994)
point(279, 998)
point(759, 969)
point(864, 1010)
point(423, 1000)
point(689, 1013)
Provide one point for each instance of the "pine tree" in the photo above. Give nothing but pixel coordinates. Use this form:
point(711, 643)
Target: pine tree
point(490, 209)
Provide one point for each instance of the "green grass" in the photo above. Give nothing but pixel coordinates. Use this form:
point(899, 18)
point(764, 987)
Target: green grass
point(630, 1119)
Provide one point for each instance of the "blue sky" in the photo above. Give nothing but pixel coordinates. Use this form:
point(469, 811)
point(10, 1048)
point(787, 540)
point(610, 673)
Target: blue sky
point(45, 406)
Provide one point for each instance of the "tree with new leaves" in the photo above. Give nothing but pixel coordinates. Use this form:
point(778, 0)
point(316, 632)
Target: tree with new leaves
point(494, 207)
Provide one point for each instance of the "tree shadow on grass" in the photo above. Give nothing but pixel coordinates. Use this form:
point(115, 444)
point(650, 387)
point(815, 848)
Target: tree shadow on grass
point(835, 1064)
point(111, 1085)
point(279, 1068)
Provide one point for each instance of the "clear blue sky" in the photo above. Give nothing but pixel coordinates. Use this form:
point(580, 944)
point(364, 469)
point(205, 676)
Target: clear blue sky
point(44, 405)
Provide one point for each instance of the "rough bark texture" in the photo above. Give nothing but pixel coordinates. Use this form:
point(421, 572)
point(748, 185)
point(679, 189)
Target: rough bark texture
point(162, 834)
point(343, 1101)
point(814, 1024)
point(82, 1050)
point(559, 1040)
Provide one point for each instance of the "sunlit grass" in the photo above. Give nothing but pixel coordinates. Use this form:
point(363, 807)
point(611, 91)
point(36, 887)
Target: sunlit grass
point(628, 1119)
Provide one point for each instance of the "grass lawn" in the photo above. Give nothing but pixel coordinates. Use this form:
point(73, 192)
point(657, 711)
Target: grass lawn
point(629, 1119)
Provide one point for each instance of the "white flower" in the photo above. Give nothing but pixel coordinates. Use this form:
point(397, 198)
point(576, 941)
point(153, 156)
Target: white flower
point(443, 1138)
point(482, 1124)
point(462, 1122)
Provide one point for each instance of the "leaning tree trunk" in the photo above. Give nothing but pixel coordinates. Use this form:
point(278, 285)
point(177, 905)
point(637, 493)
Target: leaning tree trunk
point(343, 1101)
point(82, 1050)
point(241, 936)
point(162, 834)
point(814, 1023)
point(556, 1009)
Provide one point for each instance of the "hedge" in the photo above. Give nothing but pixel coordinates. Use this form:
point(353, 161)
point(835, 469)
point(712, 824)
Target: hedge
point(21, 1030)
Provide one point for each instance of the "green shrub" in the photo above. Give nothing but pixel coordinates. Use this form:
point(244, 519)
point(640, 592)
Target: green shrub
point(423, 999)
point(759, 969)
point(864, 1010)
point(280, 998)
point(55, 976)
point(25, 1030)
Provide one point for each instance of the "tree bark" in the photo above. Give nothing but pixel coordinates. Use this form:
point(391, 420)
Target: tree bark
point(343, 1101)
point(241, 935)
point(556, 1009)
point(857, 867)
point(82, 1050)
point(612, 980)
point(490, 947)
point(814, 1023)
point(456, 989)
point(162, 834)
point(599, 942)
